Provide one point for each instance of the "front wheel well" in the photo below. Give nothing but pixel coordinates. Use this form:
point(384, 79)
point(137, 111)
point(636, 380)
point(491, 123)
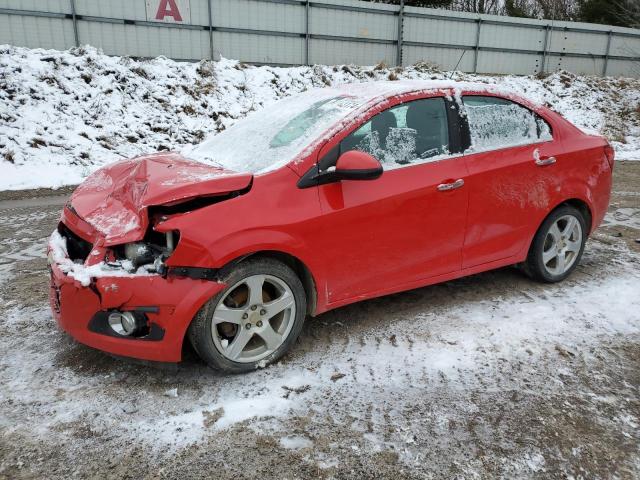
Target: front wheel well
point(296, 265)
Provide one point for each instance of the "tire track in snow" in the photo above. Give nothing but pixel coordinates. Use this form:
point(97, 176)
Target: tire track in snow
point(23, 233)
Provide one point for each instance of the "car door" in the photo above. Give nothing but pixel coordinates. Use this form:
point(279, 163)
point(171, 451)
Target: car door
point(406, 225)
point(511, 177)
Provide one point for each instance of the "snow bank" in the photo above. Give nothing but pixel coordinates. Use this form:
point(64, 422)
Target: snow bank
point(65, 114)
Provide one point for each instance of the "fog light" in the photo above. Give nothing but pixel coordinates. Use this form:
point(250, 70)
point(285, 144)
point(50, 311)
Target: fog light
point(125, 323)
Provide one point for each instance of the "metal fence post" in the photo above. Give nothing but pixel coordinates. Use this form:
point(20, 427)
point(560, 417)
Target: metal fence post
point(606, 55)
point(307, 8)
point(543, 68)
point(75, 22)
point(477, 53)
point(211, 55)
point(400, 34)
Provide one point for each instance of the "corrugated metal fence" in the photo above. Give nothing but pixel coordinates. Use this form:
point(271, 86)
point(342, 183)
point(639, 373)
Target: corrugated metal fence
point(295, 32)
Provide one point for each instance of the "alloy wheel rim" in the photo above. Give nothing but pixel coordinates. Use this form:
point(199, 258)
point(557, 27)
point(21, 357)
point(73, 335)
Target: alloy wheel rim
point(562, 245)
point(253, 319)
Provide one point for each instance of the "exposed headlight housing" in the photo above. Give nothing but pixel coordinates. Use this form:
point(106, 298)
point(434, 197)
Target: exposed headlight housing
point(139, 253)
point(148, 253)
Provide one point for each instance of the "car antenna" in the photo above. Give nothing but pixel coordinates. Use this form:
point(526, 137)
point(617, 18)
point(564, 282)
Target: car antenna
point(456, 67)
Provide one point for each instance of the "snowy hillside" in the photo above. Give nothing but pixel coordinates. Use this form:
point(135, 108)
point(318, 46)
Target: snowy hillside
point(64, 114)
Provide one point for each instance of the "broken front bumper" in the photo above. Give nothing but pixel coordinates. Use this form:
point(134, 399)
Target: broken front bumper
point(169, 304)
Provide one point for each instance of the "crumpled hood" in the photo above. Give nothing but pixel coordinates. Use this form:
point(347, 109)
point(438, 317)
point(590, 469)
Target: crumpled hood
point(114, 199)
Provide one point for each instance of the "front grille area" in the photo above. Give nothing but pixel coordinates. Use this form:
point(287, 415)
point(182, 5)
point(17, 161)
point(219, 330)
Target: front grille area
point(77, 248)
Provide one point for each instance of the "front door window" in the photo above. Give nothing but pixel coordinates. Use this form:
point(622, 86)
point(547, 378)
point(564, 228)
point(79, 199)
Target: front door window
point(407, 134)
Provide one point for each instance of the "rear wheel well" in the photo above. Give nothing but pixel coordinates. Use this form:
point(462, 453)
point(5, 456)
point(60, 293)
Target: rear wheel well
point(297, 266)
point(583, 208)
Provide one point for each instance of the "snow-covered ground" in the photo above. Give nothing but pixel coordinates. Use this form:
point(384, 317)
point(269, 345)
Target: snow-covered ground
point(65, 114)
point(457, 339)
point(490, 376)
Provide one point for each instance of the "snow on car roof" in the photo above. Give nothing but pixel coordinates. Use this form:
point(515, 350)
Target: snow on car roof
point(399, 87)
point(373, 90)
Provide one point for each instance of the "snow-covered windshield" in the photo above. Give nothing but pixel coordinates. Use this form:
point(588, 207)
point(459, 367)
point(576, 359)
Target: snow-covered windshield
point(276, 134)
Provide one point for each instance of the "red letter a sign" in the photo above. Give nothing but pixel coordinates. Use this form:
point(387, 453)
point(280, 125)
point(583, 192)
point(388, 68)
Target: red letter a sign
point(168, 8)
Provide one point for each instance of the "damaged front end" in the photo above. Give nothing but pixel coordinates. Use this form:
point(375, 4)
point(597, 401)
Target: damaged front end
point(110, 285)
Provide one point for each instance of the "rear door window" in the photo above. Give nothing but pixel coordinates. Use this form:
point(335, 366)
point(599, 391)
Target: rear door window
point(496, 123)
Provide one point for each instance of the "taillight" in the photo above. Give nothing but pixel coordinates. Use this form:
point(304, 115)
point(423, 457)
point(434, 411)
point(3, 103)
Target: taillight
point(610, 154)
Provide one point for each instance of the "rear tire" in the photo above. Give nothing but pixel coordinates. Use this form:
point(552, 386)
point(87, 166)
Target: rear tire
point(254, 321)
point(557, 246)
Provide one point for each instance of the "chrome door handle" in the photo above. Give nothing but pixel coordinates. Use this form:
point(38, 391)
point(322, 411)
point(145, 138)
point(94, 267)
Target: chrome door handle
point(445, 187)
point(541, 162)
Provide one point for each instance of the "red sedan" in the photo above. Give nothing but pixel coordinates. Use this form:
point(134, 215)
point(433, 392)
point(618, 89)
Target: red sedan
point(314, 202)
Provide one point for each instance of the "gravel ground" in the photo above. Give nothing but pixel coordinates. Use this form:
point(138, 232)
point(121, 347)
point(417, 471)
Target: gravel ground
point(487, 376)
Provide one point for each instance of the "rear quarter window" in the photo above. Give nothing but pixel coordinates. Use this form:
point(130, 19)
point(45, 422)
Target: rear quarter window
point(496, 123)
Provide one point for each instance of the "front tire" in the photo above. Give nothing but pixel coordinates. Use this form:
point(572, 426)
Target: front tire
point(558, 245)
point(254, 321)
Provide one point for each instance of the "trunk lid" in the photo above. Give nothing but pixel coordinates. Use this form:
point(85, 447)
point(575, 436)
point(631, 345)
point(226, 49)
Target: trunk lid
point(114, 200)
